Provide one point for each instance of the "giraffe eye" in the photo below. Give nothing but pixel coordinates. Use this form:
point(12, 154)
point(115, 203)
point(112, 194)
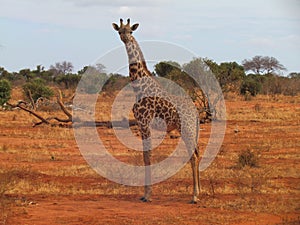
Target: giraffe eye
point(130, 32)
point(119, 32)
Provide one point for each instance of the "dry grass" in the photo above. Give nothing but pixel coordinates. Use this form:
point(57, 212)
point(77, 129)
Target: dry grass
point(46, 162)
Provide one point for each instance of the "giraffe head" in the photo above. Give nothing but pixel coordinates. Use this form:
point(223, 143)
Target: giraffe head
point(125, 30)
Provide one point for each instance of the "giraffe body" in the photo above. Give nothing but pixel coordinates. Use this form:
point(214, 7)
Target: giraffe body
point(152, 101)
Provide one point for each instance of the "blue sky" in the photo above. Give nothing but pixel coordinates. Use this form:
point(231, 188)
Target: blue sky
point(37, 32)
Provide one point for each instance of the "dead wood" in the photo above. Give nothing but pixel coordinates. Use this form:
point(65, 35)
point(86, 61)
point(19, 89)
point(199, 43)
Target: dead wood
point(63, 108)
point(63, 122)
point(20, 106)
point(66, 122)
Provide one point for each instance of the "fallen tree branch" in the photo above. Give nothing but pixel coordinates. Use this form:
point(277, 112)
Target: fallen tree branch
point(31, 100)
point(22, 105)
point(63, 108)
point(63, 122)
point(19, 105)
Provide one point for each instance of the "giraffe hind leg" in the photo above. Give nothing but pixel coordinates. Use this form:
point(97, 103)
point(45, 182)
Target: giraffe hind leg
point(147, 162)
point(196, 177)
point(147, 187)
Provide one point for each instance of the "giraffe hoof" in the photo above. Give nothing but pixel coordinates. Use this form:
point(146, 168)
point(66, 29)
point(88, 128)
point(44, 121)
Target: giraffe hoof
point(144, 199)
point(193, 202)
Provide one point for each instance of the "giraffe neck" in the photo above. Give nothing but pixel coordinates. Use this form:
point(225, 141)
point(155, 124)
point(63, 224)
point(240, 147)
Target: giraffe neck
point(137, 64)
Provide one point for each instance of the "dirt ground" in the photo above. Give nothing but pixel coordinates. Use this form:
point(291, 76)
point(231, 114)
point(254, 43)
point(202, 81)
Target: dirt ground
point(44, 179)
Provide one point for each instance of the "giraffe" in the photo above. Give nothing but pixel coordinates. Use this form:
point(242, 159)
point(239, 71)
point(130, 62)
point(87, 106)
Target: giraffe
point(152, 101)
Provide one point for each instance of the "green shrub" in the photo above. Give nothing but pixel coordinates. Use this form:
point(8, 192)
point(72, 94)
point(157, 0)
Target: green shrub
point(37, 88)
point(115, 83)
point(69, 80)
point(250, 85)
point(5, 91)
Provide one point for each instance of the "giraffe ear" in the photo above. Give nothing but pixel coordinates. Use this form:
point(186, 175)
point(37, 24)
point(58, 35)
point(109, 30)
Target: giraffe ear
point(134, 26)
point(116, 27)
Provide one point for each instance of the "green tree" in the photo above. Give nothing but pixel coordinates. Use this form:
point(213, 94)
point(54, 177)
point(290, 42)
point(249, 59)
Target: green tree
point(186, 78)
point(293, 85)
point(5, 91)
point(69, 80)
point(115, 83)
point(39, 70)
point(162, 69)
point(250, 85)
point(4, 74)
point(83, 70)
point(26, 73)
point(93, 80)
point(229, 74)
point(37, 88)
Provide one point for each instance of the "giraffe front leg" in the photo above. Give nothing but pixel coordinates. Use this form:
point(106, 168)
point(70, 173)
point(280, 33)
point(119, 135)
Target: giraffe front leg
point(196, 178)
point(147, 162)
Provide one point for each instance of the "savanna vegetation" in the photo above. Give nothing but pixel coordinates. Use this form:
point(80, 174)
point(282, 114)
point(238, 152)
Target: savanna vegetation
point(259, 75)
point(254, 179)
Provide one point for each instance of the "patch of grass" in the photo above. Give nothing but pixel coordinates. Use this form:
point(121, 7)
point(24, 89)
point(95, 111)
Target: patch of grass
point(247, 158)
point(6, 182)
point(4, 148)
point(289, 221)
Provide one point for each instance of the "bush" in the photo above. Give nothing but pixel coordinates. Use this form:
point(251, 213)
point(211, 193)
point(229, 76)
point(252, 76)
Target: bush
point(5, 91)
point(247, 158)
point(250, 85)
point(37, 88)
point(69, 80)
point(115, 83)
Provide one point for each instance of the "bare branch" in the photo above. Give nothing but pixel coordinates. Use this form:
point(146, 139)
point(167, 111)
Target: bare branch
point(22, 105)
point(62, 106)
point(31, 100)
point(19, 105)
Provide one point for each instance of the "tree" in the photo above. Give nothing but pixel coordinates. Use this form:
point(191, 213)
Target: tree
point(39, 69)
point(294, 75)
point(3, 72)
point(26, 73)
point(229, 74)
point(294, 84)
point(162, 69)
point(93, 79)
point(5, 91)
point(272, 65)
point(262, 65)
point(61, 68)
point(69, 80)
point(115, 83)
point(250, 85)
point(36, 89)
point(186, 77)
point(97, 68)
